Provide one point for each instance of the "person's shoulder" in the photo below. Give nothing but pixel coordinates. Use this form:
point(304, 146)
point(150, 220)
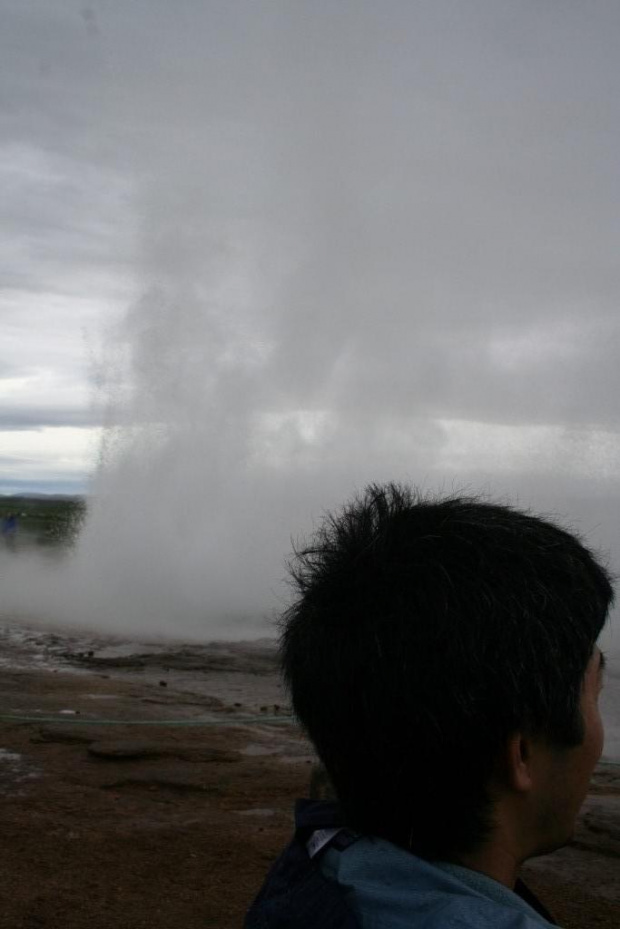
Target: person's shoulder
point(388, 888)
point(471, 913)
point(437, 912)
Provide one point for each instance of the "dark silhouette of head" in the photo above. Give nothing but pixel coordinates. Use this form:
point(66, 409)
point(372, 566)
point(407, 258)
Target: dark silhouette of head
point(425, 633)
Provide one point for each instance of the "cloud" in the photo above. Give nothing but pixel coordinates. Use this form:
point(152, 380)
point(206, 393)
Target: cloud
point(62, 219)
point(20, 418)
point(48, 453)
point(410, 197)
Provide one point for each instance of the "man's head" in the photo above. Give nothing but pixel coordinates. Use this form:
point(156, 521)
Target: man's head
point(426, 637)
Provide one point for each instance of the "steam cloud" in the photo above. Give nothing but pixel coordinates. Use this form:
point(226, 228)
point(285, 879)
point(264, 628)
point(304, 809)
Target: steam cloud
point(370, 243)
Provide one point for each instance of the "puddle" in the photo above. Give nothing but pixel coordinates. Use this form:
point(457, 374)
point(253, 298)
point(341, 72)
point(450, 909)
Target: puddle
point(128, 649)
point(103, 696)
point(14, 771)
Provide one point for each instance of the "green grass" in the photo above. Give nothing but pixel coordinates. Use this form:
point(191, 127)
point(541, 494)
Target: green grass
point(43, 521)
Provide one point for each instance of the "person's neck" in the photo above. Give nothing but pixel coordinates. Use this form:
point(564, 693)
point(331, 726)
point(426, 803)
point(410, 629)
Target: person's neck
point(496, 861)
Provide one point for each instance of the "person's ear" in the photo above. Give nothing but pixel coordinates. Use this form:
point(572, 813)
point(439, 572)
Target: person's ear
point(518, 763)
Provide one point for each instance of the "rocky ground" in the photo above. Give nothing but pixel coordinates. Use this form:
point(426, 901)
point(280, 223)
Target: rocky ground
point(153, 787)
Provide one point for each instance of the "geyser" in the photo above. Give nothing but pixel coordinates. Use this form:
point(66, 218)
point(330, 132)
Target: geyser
point(356, 255)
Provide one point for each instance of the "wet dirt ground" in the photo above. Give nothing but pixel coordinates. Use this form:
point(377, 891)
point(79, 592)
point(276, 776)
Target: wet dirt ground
point(151, 785)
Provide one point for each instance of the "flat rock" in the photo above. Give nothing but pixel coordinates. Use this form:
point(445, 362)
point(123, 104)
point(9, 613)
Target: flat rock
point(126, 748)
point(133, 749)
point(162, 777)
point(68, 733)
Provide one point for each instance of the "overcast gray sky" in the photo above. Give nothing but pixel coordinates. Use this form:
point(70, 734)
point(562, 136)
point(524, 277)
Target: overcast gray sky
point(297, 246)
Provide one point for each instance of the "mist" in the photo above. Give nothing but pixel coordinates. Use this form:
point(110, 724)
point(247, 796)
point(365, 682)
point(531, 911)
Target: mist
point(359, 243)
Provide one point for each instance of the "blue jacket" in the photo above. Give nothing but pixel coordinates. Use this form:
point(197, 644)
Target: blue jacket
point(359, 882)
point(388, 888)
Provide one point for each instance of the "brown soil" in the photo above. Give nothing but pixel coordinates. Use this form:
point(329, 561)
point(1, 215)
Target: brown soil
point(135, 826)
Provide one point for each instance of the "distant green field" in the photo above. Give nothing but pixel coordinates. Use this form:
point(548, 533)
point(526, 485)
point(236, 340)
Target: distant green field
point(44, 521)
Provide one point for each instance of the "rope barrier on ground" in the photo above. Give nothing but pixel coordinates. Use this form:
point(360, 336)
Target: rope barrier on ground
point(231, 721)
